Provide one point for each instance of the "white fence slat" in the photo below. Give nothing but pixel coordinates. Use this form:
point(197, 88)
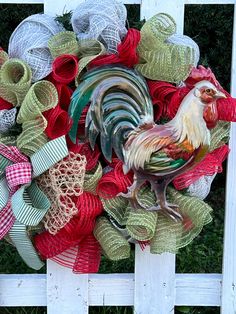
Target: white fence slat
point(198, 289)
point(229, 260)
point(67, 293)
point(110, 289)
point(154, 291)
point(23, 290)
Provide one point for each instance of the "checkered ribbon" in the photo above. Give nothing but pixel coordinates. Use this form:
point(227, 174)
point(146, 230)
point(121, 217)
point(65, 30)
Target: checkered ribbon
point(22, 203)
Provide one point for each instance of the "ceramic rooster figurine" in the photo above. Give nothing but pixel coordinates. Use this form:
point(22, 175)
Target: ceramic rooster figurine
point(121, 111)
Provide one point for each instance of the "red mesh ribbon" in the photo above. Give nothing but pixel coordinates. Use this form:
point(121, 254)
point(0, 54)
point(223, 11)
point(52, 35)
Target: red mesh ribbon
point(114, 182)
point(59, 122)
point(65, 69)
point(78, 231)
point(127, 54)
point(166, 98)
point(5, 104)
point(92, 156)
point(211, 164)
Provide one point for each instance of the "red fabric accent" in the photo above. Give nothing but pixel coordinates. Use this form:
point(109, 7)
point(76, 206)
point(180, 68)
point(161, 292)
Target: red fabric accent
point(65, 68)
point(114, 182)
point(211, 164)
point(81, 124)
point(5, 104)
point(77, 231)
point(19, 173)
point(59, 123)
point(126, 52)
point(166, 98)
point(64, 95)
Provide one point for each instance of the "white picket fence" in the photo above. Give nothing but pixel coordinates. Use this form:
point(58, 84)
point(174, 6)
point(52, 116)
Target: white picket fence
point(154, 288)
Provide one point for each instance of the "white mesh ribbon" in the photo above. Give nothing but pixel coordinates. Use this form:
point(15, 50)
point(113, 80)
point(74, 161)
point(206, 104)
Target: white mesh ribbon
point(103, 20)
point(7, 119)
point(29, 42)
point(201, 187)
point(184, 40)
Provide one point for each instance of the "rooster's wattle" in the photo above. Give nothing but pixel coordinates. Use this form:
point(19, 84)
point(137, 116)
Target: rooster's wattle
point(121, 111)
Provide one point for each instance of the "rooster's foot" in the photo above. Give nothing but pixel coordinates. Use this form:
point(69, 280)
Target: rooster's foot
point(169, 210)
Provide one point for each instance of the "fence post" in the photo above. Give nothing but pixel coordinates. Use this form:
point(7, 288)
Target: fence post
point(229, 262)
point(155, 274)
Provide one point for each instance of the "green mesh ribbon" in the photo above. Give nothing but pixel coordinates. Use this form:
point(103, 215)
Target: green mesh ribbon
point(42, 96)
point(141, 224)
point(160, 60)
point(114, 245)
point(15, 81)
point(169, 235)
point(88, 50)
point(116, 208)
point(3, 57)
point(91, 179)
point(219, 134)
point(63, 43)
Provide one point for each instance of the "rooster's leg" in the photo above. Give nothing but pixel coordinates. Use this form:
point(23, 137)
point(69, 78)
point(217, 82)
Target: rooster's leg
point(168, 209)
point(132, 194)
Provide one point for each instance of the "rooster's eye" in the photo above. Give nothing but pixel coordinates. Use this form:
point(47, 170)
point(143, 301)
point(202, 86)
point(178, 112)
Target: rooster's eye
point(208, 90)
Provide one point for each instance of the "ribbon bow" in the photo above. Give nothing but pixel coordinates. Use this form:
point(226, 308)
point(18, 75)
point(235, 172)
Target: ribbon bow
point(22, 203)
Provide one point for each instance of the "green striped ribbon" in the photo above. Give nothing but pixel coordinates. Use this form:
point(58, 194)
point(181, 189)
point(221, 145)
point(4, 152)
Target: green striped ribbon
point(116, 208)
point(4, 193)
point(29, 203)
point(24, 246)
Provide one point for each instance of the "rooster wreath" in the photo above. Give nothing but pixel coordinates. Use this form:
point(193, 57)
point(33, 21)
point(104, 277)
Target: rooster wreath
point(108, 136)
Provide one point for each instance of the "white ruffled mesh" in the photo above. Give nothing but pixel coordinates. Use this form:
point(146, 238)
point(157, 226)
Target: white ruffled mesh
point(103, 20)
point(186, 41)
point(201, 188)
point(29, 42)
point(7, 119)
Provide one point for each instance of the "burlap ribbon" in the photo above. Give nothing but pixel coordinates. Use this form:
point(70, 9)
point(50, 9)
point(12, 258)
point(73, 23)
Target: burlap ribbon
point(22, 202)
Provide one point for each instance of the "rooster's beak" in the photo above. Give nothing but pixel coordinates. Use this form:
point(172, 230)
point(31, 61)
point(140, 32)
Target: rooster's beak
point(219, 94)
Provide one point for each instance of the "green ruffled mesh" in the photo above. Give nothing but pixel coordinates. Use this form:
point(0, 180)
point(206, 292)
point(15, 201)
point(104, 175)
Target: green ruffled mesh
point(116, 208)
point(160, 60)
point(15, 81)
point(164, 234)
point(170, 235)
point(91, 179)
point(114, 245)
point(219, 134)
point(63, 43)
point(41, 97)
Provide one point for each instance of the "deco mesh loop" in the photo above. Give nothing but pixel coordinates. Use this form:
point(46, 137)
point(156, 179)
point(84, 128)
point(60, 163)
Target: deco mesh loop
point(103, 20)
